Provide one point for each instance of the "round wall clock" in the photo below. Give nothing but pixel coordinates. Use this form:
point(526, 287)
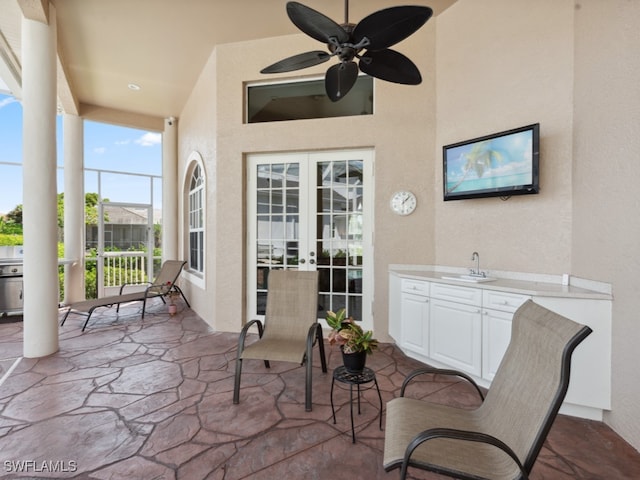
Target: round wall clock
point(403, 202)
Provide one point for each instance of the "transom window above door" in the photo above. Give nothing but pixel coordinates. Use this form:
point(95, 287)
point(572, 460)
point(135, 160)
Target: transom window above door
point(305, 99)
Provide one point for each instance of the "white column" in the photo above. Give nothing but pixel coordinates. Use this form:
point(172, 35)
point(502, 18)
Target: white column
point(170, 190)
point(39, 211)
point(74, 223)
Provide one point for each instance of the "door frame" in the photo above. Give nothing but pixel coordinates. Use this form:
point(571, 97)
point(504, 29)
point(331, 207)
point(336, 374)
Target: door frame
point(313, 157)
point(101, 244)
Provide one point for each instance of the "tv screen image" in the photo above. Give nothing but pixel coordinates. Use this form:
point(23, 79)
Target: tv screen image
point(497, 165)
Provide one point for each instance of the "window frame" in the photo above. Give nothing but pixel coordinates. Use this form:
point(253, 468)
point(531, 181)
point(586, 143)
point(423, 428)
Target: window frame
point(297, 82)
point(195, 217)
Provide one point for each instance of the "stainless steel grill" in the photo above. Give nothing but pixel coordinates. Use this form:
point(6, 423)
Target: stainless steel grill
point(11, 294)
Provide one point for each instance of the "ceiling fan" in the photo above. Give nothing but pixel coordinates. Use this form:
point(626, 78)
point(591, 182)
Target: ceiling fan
point(368, 41)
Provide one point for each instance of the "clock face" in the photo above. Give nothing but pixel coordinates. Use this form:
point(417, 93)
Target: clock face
point(403, 203)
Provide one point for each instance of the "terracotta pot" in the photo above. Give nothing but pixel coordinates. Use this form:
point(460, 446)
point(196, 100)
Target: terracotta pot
point(173, 309)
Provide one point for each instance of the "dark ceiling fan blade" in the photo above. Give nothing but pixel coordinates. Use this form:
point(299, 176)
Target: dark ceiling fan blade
point(387, 27)
point(297, 62)
point(339, 80)
point(315, 24)
point(391, 66)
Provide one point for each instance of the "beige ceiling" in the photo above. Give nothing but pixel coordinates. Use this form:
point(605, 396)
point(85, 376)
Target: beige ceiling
point(160, 45)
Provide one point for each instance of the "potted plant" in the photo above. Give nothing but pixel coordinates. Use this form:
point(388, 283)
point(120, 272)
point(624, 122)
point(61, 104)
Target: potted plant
point(355, 343)
point(173, 308)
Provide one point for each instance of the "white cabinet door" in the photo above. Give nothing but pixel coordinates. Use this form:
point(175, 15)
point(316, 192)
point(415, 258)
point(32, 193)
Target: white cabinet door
point(415, 323)
point(590, 381)
point(497, 314)
point(455, 335)
point(496, 335)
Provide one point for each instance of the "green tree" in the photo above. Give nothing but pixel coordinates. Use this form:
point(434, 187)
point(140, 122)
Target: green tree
point(90, 209)
point(61, 210)
point(15, 215)
point(11, 224)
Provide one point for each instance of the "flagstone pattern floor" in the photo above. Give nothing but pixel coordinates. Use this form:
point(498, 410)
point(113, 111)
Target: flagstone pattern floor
point(129, 399)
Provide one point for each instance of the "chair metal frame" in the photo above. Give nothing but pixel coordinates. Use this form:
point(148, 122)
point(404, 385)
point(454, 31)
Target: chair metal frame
point(314, 335)
point(572, 332)
point(158, 288)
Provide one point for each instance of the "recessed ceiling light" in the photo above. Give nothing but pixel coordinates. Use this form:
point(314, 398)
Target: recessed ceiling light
point(134, 86)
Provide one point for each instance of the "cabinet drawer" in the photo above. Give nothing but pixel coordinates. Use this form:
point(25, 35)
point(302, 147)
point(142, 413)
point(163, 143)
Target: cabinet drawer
point(416, 287)
point(507, 302)
point(466, 295)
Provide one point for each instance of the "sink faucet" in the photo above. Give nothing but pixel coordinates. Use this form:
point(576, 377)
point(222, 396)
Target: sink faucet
point(476, 256)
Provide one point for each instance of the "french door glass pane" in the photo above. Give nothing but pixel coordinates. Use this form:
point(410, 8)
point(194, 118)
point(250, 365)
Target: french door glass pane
point(277, 223)
point(339, 235)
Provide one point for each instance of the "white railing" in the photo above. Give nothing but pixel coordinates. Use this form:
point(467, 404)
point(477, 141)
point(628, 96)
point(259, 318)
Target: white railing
point(125, 267)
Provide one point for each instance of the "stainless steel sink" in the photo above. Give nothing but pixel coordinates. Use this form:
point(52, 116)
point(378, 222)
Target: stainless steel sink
point(468, 278)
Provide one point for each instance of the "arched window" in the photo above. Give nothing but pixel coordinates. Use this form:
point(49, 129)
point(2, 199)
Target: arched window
point(196, 219)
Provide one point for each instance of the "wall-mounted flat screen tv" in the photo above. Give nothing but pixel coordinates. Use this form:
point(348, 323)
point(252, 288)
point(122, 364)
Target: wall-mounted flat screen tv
point(497, 165)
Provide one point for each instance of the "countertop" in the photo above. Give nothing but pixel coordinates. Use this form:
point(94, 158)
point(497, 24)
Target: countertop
point(514, 282)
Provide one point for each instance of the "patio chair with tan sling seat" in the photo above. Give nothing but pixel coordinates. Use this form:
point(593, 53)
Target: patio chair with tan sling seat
point(164, 283)
point(501, 438)
point(290, 327)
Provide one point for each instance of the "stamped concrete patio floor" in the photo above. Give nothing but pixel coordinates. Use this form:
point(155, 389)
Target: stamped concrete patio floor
point(129, 399)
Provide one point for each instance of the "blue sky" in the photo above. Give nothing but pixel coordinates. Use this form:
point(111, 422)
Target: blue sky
point(106, 147)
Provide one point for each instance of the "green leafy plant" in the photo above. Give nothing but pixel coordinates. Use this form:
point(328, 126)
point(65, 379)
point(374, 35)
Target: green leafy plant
point(348, 334)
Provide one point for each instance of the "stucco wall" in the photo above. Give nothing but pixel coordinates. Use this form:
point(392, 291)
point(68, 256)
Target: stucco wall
point(197, 137)
point(499, 68)
point(606, 224)
point(403, 160)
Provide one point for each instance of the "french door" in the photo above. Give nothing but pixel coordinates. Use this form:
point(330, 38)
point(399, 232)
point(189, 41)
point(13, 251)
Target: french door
point(312, 211)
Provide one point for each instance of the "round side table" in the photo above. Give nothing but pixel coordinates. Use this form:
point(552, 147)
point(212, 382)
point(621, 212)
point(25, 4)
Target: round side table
point(343, 376)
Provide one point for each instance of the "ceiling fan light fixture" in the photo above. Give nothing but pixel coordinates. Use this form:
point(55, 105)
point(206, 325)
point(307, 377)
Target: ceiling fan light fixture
point(134, 86)
point(372, 36)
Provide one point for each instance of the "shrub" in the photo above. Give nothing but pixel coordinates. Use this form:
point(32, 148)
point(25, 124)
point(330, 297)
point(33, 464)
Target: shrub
point(10, 239)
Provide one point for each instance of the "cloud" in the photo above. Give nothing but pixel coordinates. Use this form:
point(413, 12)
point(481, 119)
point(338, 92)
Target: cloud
point(149, 139)
point(7, 101)
point(99, 150)
point(123, 142)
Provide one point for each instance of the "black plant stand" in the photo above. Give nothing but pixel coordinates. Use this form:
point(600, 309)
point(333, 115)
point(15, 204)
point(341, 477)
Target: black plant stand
point(366, 376)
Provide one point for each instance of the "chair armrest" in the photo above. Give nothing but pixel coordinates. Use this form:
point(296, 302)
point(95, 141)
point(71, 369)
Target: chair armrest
point(132, 284)
point(315, 335)
point(463, 435)
point(164, 288)
point(439, 371)
point(312, 333)
point(245, 330)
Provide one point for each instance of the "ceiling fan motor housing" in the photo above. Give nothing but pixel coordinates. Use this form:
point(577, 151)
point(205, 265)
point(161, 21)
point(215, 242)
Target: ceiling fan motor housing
point(376, 33)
